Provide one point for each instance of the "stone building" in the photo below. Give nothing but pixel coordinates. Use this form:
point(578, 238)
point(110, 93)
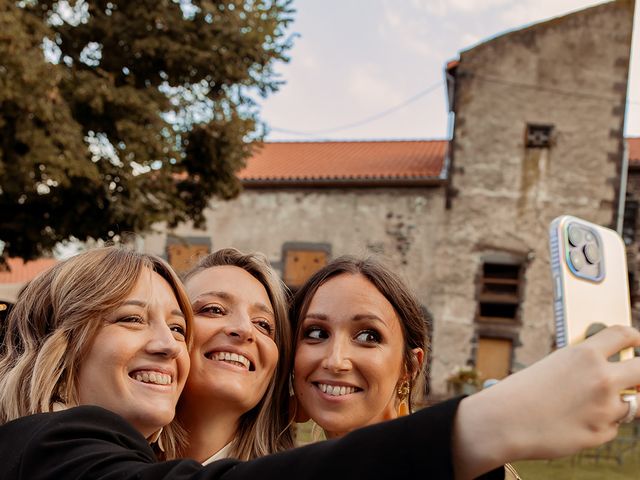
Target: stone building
point(538, 132)
point(539, 117)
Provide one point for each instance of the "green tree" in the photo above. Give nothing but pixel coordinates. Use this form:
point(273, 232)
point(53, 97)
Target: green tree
point(118, 114)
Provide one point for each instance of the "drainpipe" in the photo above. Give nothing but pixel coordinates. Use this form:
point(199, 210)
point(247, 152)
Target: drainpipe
point(623, 187)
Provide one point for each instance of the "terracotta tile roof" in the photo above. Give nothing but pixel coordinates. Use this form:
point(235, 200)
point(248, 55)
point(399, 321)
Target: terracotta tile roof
point(22, 272)
point(354, 161)
point(633, 146)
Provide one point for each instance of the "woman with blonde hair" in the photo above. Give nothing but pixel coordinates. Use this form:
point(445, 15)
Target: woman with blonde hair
point(108, 327)
point(235, 401)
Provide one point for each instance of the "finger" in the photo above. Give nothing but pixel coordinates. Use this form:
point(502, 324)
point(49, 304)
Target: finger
point(615, 338)
point(626, 373)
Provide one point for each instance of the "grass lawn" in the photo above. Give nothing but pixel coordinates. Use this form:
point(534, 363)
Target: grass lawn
point(595, 464)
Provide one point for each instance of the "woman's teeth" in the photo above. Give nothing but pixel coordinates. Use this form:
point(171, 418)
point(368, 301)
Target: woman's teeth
point(336, 391)
point(153, 377)
point(233, 358)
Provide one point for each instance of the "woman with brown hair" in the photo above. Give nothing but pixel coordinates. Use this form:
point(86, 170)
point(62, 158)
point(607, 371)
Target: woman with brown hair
point(361, 339)
point(235, 402)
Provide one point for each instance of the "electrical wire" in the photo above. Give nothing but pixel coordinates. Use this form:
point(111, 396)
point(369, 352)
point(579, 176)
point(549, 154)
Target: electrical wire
point(432, 88)
point(366, 120)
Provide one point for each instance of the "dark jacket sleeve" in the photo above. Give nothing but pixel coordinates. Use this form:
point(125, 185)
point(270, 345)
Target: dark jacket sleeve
point(93, 443)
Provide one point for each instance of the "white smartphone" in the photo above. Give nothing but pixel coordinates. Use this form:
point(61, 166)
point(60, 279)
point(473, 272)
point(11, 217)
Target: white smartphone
point(590, 280)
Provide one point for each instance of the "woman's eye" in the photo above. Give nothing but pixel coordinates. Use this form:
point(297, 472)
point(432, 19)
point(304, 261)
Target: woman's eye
point(130, 319)
point(264, 326)
point(212, 310)
point(368, 336)
point(179, 330)
point(315, 333)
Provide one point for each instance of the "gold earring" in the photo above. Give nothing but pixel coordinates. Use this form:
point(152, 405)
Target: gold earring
point(403, 395)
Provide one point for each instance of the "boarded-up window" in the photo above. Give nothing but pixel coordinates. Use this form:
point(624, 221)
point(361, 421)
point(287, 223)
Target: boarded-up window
point(493, 358)
point(499, 297)
point(183, 254)
point(301, 263)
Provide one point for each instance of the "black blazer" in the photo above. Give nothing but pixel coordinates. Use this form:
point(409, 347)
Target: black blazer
point(90, 442)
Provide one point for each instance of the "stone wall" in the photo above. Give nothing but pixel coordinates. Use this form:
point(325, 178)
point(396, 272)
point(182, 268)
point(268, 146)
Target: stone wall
point(400, 225)
point(569, 73)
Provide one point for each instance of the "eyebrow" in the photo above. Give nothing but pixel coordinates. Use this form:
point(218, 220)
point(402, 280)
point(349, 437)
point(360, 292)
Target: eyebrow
point(356, 318)
point(213, 293)
point(264, 308)
point(227, 296)
point(140, 303)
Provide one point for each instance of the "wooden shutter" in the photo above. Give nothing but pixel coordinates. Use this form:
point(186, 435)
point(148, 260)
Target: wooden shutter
point(183, 256)
point(299, 265)
point(493, 357)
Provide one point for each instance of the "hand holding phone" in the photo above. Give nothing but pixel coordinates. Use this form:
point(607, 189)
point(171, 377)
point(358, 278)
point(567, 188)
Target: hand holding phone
point(590, 280)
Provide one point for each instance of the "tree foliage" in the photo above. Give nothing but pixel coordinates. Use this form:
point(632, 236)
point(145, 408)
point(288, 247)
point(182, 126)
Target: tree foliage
point(118, 114)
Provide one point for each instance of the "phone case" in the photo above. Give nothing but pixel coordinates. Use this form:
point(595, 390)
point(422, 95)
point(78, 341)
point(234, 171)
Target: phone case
point(590, 281)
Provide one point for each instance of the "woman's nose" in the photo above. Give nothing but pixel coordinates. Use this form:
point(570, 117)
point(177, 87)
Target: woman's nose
point(163, 342)
point(240, 327)
point(337, 358)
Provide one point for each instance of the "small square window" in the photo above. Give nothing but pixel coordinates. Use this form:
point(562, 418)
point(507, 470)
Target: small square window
point(539, 136)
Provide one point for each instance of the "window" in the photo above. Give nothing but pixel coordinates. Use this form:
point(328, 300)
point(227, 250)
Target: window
point(301, 260)
point(183, 253)
point(500, 288)
point(499, 296)
point(539, 136)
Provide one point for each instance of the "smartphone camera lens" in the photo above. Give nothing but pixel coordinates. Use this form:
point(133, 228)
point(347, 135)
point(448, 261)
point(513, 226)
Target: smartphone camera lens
point(577, 259)
point(592, 253)
point(576, 235)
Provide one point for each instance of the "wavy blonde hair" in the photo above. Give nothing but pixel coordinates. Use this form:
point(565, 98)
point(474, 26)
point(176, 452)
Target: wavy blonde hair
point(266, 428)
point(53, 324)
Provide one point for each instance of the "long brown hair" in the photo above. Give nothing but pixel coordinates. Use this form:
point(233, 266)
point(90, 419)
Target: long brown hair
point(55, 320)
point(264, 429)
point(412, 320)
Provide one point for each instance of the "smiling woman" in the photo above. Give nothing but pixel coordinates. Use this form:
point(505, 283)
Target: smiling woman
point(108, 327)
point(235, 402)
point(360, 345)
point(138, 362)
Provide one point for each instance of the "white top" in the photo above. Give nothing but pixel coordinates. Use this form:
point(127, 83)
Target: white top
point(219, 455)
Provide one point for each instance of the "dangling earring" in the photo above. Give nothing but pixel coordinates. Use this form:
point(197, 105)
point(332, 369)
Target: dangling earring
point(403, 395)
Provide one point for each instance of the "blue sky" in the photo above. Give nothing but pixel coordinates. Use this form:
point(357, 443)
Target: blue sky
point(355, 59)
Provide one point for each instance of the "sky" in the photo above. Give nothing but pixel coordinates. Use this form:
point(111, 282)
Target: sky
point(373, 69)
